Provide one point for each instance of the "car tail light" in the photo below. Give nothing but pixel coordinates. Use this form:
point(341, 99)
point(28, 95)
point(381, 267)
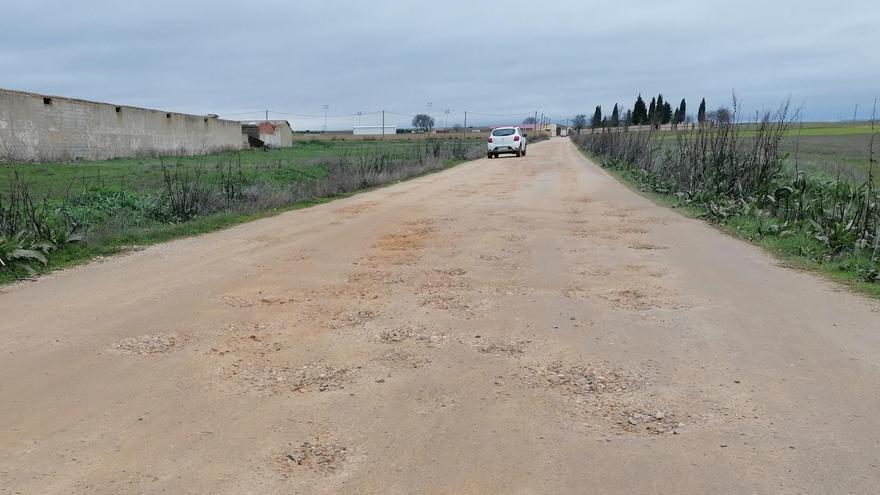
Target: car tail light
point(516, 138)
point(490, 139)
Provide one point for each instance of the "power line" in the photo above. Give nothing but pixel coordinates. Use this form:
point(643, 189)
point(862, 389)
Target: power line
point(375, 112)
point(241, 113)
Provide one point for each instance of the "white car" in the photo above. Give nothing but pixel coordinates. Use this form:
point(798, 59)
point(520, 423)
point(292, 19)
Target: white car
point(506, 140)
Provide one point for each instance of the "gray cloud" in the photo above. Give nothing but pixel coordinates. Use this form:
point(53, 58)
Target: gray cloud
point(489, 57)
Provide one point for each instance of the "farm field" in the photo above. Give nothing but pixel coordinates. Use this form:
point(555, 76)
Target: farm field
point(143, 174)
point(833, 151)
point(828, 149)
point(520, 325)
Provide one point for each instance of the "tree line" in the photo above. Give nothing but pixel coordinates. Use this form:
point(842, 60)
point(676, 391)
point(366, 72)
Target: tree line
point(657, 113)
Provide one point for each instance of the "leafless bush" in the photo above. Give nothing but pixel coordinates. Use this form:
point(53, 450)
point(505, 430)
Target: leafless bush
point(187, 191)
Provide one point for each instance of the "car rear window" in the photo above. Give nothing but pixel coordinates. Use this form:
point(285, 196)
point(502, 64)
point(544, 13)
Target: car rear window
point(503, 132)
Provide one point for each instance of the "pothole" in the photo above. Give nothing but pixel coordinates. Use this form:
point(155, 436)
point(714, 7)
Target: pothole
point(582, 380)
point(146, 345)
point(255, 338)
point(354, 319)
point(594, 271)
point(235, 301)
point(398, 358)
point(632, 230)
point(638, 299)
point(616, 398)
point(656, 422)
point(509, 347)
point(488, 257)
point(647, 246)
point(318, 456)
point(416, 334)
point(316, 377)
point(450, 301)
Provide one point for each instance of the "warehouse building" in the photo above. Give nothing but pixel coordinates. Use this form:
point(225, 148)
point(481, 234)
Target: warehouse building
point(374, 130)
point(269, 133)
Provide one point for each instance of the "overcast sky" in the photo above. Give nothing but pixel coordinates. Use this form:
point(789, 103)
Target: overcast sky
point(500, 60)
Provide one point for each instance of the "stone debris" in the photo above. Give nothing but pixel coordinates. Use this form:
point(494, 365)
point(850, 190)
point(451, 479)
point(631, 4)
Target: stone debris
point(317, 377)
point(315, 456)
point(146, 345)
point(511, 347)
point(586, 380)
point(415, 334)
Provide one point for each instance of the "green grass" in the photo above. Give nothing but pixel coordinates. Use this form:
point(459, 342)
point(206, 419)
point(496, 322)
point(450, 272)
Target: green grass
point(832, 149)
point(825, 129)
point(833, 155)
point(145, 174)
point(798, 251)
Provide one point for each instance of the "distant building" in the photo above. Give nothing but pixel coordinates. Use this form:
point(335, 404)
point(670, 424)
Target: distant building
point(523, 127)
point(374, 130)
point(548, 129)
point(271, 133)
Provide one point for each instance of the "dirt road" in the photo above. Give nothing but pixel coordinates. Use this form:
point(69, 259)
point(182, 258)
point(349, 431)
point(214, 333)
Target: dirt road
point(508, 326)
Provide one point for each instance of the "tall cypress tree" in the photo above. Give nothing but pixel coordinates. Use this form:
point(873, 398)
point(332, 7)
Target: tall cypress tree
point(640, 112)
point(660, 112)
point(615, 117)
point(666, 114)
point(652, 112)
point(597, 117)
point(682, 112)
point(701, 113)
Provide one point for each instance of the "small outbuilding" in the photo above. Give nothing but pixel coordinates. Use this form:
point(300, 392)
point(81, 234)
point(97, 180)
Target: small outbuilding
point(269, 133)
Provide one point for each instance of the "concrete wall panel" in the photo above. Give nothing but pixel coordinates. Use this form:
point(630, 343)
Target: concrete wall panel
point(40, 128)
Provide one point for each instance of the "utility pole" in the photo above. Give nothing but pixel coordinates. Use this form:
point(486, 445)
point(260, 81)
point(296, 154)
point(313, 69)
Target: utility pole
point(325, 117)
point(855, 112)
point(535, 125)
point(430, 104)
point(465, 121)
point(267, 115)
point(359, 118)
point(383, 125)
point(446, 119)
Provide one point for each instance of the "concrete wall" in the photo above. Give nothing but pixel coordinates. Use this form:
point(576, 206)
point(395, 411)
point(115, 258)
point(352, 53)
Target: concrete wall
point(41, 128)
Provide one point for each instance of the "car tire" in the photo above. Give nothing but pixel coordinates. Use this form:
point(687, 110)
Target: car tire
point(519, 153)
point(525, 150)
point(489, 155)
